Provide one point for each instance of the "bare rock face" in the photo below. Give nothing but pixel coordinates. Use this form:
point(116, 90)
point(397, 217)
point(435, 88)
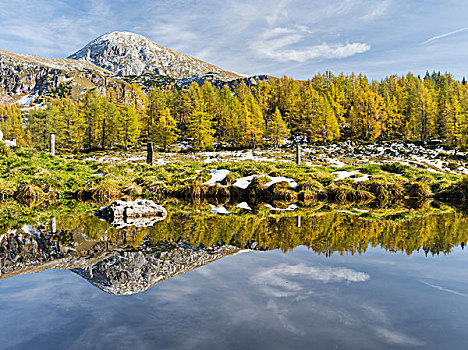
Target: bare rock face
point(25, 76)
point(139, 213)
point(24, 252)
point(129, 54)
point(130, 272)
point(110, 266)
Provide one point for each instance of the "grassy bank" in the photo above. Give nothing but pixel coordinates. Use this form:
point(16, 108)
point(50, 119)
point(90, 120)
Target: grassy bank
point(33, 177)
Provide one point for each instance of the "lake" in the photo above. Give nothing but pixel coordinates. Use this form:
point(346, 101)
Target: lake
point(326, 280)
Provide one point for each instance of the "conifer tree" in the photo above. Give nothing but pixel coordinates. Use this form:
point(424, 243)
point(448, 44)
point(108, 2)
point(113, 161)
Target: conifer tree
point(128, 125)
point(11, 124)
point(277, 129)
point(199, 127)
point(165, 132)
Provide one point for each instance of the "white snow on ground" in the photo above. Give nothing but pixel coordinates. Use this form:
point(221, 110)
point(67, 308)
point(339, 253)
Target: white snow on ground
point(275, 180)
point(335, 162)
point(244, 182)
point(345, 212)
point(217, 176)
point(25, 101)
point(341, 175)
point(242, 252)
point(29, 229)
point(243, 205)
point(219, 210)
point(190, 178)
point(335, 155)
point(290, 208)
point(364, 177)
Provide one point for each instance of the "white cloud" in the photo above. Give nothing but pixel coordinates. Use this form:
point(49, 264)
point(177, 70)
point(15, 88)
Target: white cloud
point(276, 49)
point(277, 276)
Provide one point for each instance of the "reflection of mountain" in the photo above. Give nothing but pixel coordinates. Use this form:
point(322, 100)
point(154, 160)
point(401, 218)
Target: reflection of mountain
point(22, 252)
point(130, 272)
point(130, 260)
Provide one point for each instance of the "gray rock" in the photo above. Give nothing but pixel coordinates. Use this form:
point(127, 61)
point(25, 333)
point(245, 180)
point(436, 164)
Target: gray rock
point(139, 213)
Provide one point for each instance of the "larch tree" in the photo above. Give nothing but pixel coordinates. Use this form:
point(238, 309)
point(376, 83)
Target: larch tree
point(277, 129)
point(128, 125)
point(166, 131)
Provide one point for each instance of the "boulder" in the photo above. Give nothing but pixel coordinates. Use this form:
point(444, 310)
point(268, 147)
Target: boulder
point(139, 213)
point(11, 143)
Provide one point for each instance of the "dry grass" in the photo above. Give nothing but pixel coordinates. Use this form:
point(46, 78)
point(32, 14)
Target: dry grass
point(29, 193)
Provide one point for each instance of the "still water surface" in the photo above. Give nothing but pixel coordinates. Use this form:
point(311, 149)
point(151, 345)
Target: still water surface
point(315, 295)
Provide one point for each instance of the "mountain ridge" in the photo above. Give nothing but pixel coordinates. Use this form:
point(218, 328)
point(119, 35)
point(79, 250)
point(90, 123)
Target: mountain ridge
point(114, 59)
point(126, 53)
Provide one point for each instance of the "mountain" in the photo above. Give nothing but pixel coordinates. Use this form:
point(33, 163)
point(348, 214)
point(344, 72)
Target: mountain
point(110, 265)
point(112, 60)
point(24, 76)
point(129, 54)
point(128, 272)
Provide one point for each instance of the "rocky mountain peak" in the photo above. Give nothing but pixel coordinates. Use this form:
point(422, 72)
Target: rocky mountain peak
point(127, 54)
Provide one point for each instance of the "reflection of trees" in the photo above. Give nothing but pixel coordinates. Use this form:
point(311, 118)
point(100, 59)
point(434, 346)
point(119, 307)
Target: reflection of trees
point(324, 233)
point(82, 241)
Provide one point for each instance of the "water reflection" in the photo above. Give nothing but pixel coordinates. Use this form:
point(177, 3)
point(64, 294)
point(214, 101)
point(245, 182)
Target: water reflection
point(131, 260)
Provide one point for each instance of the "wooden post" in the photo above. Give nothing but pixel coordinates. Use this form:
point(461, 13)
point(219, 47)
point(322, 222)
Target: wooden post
point(298, 154)
point(53, 226)
point(149, 153)
point(298, 221)
point(52, 143)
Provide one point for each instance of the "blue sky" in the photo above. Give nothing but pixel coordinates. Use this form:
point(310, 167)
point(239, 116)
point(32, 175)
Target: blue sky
point(297, 38)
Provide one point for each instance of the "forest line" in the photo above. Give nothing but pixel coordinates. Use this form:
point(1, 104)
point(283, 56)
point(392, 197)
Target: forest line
point(323, 109)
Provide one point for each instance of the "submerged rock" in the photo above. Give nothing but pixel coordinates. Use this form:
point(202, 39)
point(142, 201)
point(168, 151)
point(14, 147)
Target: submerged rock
point(139, 213)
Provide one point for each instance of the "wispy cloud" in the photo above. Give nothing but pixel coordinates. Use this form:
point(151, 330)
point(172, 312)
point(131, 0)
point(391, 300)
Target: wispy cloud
point(376, 10)
point(293, 37)
point(277, 49)
point(279, 11)
point(445, 35)
point(446, 289)
point(398, 338)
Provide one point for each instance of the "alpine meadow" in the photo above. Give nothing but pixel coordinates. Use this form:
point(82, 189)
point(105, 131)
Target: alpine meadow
point(240, 174)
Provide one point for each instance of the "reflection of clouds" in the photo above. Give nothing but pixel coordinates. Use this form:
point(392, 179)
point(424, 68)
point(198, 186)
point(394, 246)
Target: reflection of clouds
point(288, 286)
point(277, 283)
point(398, 338)
point(276, 276)
point(446, 289)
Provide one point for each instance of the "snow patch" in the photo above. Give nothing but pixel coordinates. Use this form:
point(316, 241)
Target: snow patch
point(219, 210)
point(243, 205)
point(217, 176)
point(290, 208)
point(275, 180)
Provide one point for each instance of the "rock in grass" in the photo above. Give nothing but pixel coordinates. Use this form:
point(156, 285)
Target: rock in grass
point(139, 213)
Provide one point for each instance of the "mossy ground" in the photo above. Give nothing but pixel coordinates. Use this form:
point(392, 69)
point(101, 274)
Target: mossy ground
point(34, 177)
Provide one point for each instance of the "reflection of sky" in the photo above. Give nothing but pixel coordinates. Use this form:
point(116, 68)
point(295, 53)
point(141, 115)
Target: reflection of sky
point(255, 300)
